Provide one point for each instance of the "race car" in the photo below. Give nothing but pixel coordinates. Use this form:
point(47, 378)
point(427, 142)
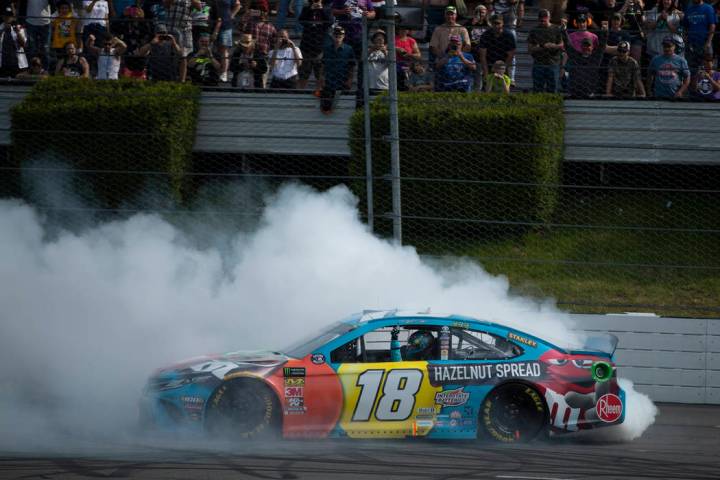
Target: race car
point(390, 374)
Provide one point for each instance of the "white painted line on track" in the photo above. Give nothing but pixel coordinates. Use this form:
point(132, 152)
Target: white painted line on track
point(523, 477)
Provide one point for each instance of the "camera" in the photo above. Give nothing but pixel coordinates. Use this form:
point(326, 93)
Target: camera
point(453, 47)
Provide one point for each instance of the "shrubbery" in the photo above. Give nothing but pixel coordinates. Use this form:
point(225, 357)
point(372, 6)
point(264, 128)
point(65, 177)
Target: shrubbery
point(508, 147)
point(124, 129)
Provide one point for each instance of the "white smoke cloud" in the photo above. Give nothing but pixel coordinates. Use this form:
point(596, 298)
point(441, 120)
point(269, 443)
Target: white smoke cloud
point(87, 316)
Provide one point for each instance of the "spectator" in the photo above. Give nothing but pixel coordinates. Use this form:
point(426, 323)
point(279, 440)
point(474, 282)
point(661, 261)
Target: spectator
point(203, 67)
point(440, 38)
point(706, 84)
point(315, 22)
point(496, 44)
point(668, 74)
point(584, 66)
point(253, 13)
point(663, 20)
point(71, 64)
point(455, 68)
point(265, 35)
point(349, 14)
point(512, 12)
point(283, 62)
point(223, 33)
point(163, 53)
point(95, 18)
point(555, 8)
point(12, 45)
point(420, 80)
point(204, 16)
point(575, 39)
point(624, 79)
point(35, 72)
point(478, 25)
point(134, 32)
point(604, 11)
point(407, 52)
point(248, 64)
point(108, 57)
point(633, 19)
point(545, 45)
point(65, 29)
point(338, 63)
point(37, 28)
point(496, 81)
point(284, 9)
point(117, 7)
point(378, 63)
point(178, 19)
point(700, 21)
point(155, 10)
point(435, 11)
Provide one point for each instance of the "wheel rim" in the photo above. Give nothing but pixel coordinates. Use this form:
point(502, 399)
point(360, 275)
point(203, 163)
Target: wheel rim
point(240, 411)
point(513, 414)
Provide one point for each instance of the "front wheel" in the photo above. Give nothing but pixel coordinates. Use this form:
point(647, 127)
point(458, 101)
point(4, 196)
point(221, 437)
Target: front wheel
point(514, 413)
point(242, 409)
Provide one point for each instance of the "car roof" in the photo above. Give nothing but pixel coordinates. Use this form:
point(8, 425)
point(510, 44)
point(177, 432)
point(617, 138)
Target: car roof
point(370, 316)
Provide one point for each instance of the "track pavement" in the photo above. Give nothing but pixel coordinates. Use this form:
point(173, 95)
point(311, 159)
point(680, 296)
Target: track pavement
point(684, 443)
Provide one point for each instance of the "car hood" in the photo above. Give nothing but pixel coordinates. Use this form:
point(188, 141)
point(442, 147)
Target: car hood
point(222, 364)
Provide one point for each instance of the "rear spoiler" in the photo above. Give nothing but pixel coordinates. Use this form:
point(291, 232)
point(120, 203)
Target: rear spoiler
point(605, 343)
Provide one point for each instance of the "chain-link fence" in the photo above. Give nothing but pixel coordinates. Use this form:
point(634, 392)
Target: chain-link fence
point(564, 211)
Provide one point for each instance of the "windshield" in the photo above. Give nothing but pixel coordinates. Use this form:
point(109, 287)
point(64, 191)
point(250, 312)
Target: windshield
point(310, 343)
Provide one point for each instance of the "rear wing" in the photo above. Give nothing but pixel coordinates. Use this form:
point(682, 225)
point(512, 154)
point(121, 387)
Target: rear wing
point(604, 343)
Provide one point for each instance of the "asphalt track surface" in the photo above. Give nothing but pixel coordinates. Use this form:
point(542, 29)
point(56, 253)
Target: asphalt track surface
point(684, 443)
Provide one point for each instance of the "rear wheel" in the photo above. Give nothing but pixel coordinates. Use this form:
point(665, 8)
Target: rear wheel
point(513, 413)
point(242, 409)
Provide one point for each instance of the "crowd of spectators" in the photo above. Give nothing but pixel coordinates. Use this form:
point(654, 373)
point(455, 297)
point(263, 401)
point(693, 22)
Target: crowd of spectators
point(620, 48)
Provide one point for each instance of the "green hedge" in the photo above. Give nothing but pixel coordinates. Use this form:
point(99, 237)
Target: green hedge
point(521, 139)
point(105, 129)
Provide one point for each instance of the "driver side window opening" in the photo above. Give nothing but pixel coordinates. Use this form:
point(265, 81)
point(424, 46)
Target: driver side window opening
point(479, 345)
point(417, 342)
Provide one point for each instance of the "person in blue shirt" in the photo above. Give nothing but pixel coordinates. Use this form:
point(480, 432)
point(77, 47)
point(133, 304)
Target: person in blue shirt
point(455, 69)
point(699, 21)
point(668, 74)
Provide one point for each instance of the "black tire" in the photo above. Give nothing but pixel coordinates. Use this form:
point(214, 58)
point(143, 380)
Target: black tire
point(241, 409)
point(513, 413)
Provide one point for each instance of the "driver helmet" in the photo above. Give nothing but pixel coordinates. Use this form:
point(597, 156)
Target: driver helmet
point(419, 345)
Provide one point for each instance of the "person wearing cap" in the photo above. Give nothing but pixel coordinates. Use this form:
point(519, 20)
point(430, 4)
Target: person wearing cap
point(248, 64)
point(203, 66)
point(163, 53)
point(668, 73)
point(545, 44)
point(12, 45)
point(455, 68)
point(439, 41)
point(583, 66)
point(624, 79)
point(496, 44)
point(435, 11)
point(574, 39)
point(700, 22)
point(338, 63)
point(662, 20)
point(315, 22)
point(497, 81)
point(476, 26)
point(350, 14)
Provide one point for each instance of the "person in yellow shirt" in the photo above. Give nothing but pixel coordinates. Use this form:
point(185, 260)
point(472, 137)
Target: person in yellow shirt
point(66, 28)
point(497, 81)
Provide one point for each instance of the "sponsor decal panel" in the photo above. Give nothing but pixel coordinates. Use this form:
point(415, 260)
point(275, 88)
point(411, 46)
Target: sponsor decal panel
point(294, 382)
point(609, 408)
point(482, 374)
point(317, 358)
point(294, 392)
point(294, 371)
point(527, 341)
point(452, 398)
point(295, 406)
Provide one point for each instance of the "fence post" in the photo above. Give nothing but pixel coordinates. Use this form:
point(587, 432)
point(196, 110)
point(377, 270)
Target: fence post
point(368, 130)
point(394, 124)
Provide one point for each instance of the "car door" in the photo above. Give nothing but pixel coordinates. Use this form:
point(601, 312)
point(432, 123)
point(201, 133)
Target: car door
point(381, 397)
